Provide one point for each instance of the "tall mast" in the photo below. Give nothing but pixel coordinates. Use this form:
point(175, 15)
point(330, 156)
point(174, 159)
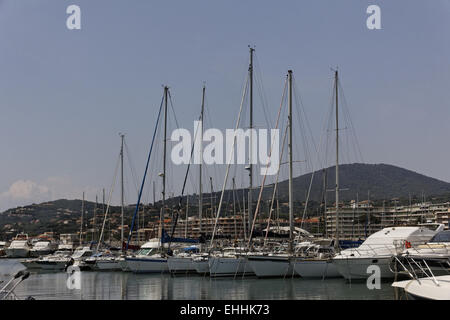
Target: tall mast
point(212, 202)
point(95, 218)
point(337, 161)
point(250, 173)
point(200, 191)
point(234, 209)
point(82, 214)
point(163, 211)
point(291, 191)
point(121, 191)
point(187, 217)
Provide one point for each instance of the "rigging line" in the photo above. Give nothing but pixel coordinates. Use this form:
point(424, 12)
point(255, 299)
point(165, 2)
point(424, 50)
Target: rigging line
point(298, 99)
point(109, 202)
point(145, 175)
point(275, 187)
point(352, 127)
point(131, 167)
point(229, 163)
point(261, 91)
point(267, 167)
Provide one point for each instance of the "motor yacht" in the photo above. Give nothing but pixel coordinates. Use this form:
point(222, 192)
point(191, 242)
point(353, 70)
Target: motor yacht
point(42, 248)
point(19, 247)
point(379, 248)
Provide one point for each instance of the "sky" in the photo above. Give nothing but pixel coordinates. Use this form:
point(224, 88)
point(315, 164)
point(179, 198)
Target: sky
point(65, 95)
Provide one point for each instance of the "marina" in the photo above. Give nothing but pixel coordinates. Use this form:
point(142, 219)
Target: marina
point(291, 184)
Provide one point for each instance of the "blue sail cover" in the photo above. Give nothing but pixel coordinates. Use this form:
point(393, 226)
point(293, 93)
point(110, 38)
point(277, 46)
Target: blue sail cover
point(165, 238)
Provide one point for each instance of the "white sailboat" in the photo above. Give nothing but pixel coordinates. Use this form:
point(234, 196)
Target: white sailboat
point(272, 264)
point(317, 263)
point(149, 259)
point(152, 258)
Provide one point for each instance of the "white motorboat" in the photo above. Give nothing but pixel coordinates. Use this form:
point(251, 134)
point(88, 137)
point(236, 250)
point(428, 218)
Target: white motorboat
point(378, 249)
point(423, 285)
point(430, 288)
point(150, 259)
point(80, 259)
point(42, 248)
point(435, 255)
point(19, 247)
point(56, 261)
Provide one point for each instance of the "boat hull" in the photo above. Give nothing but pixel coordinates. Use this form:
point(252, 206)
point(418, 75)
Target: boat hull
point(202, 266)
point(147, 265)
point(315, 268)
point(180, 265)
point(53, 265)
point(356, 268)
point(108, 265)
point(270, 267)
point(229, 267)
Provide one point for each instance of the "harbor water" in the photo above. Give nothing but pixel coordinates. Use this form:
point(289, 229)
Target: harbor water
point(130, 286)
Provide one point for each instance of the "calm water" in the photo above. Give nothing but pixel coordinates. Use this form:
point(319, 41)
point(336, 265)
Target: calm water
point(125, 285)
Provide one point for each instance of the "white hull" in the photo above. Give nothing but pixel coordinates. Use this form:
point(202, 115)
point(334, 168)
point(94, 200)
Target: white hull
point(147, 265)
point(123, 265)
point(229, 267)
point(180, 265)
point(17, 252)
point(30, 264)
point(356, 268)
point(426, 288)
point(270, 267)
point(202, 267)
point(315, 269)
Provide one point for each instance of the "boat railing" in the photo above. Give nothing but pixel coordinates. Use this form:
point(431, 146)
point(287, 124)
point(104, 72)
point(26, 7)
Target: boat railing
point(417, 268)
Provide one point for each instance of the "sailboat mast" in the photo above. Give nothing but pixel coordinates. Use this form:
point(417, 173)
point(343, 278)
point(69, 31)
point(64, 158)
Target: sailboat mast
point(163, 211)
point(121, 191)
point(337, 160)
point(250, 173)
point(95, 219)
point(200, 191)
point(291, 190)
point(82, 215)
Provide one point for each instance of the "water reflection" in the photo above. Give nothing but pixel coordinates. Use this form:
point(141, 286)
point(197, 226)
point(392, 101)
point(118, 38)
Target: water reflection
point(123, 286)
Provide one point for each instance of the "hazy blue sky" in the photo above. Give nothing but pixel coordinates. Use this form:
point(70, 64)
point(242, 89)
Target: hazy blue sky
point(66, 94)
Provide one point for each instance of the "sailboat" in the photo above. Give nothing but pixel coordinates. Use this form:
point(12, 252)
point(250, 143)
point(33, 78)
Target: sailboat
point(186, 261)
point(317, 263)
point(106, 261)
point(152, 258)
point(232, 261)
point(272, 264)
